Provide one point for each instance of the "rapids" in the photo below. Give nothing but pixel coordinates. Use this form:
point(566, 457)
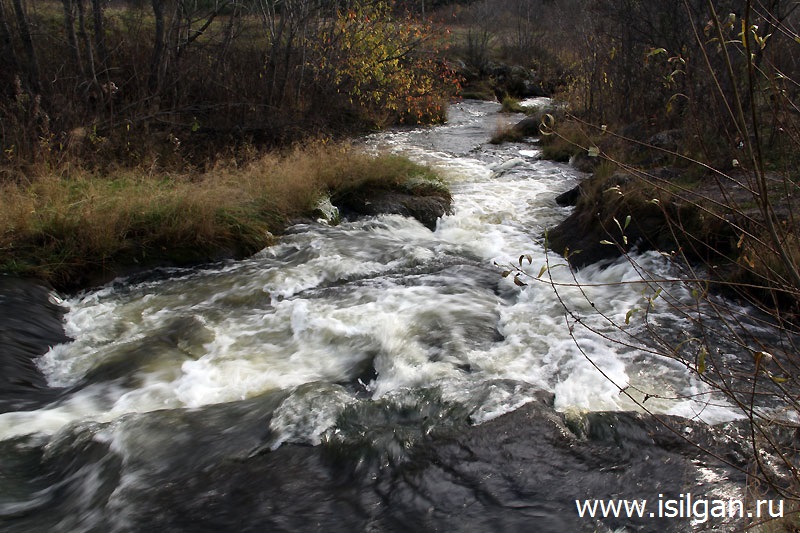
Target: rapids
point(346, 378)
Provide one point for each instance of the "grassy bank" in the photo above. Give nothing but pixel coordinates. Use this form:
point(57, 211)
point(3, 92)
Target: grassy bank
point(77, 227)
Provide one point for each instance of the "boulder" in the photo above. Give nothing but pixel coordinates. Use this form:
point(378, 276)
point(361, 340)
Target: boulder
point(528, 126)
point(592, 225)
point(570, 197)
point(427, 209)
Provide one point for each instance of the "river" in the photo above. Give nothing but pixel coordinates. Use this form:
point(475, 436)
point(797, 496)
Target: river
point(368, 376)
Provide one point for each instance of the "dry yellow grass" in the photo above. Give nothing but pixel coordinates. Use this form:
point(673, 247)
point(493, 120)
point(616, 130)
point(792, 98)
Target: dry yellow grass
point(78, 228)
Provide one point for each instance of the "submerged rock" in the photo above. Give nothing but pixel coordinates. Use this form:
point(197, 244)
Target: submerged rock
point(30, 323)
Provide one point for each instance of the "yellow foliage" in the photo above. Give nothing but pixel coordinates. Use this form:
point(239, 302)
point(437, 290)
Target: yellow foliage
point(383, 63)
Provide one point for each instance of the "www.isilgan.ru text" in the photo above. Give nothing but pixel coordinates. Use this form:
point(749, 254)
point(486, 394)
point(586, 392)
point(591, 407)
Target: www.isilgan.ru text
point(699, 510)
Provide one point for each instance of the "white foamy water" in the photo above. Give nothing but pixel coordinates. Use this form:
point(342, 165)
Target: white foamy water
point(369, 308)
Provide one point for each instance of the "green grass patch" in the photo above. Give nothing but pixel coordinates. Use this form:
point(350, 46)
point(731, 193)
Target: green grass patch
point(511, 105)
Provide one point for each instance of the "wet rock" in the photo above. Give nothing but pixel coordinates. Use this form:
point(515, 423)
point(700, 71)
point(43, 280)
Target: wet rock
point(30, 323)
point(427, 209)
point(520, 472)
point(591, 226)
point(570, 197)
point(528, 127)
point(326, 212)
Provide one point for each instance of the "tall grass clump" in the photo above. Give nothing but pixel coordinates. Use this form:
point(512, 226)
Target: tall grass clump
point(81, 227)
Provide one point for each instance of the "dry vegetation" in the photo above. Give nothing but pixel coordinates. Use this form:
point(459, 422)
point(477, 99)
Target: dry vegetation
point(79, 227)
point(139, 133)
point(688, 114)
point(119, 82)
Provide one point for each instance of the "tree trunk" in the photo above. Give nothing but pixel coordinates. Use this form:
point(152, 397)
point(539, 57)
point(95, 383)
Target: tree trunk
point(87, 43)
point(27, 43)
point(99, 33)
point(69, 29)
point(158, 48)
point(275, 26)
point(5, 41)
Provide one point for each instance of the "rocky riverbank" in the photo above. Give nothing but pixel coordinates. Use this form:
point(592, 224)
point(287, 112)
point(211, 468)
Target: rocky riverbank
point(715, 219)
point(617, 214)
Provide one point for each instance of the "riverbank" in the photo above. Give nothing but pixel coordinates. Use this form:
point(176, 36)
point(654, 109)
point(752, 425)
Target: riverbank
point(81, 228)
point(732, 227)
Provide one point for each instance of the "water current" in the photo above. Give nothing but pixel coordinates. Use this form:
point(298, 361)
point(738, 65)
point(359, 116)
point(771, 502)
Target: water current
point(227, 398)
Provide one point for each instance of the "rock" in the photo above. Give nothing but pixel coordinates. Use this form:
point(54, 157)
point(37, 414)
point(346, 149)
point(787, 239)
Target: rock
point(528, 126)
point(30, 323)
point(522, 471)
point(569, 198)
point(592, 224)
point(427, 209)
point(583, 162)
point(326, 211)
point(576, 233)
point(666, 140)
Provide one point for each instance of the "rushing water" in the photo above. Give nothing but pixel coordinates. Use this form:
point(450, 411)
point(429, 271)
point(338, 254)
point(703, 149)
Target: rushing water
point(375, 331)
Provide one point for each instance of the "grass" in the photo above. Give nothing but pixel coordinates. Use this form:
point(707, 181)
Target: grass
point(79, 227)
point(512, 105)
point(569, 140)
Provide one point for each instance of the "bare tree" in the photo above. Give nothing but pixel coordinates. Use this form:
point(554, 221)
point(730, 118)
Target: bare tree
point(69, 30)
point(23, 27)
point(6, 40)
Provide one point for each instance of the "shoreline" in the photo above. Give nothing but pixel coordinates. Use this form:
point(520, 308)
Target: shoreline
point(77, 232)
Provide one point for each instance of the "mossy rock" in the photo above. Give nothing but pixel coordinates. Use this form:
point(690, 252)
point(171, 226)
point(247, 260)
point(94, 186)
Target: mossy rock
point(617, 214)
